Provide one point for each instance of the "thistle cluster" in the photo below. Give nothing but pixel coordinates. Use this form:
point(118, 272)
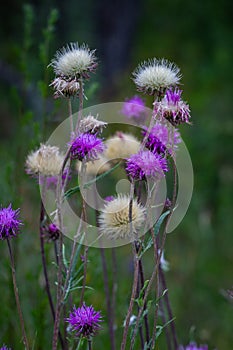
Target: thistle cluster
point(123, 216)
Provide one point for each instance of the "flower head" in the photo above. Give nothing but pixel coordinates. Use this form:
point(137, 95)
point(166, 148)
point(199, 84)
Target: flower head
point(84, 321)
point(74, 61)
point(146, 164)
point(173, 108)
point(87, 147)
point(9, 222)
point(156, 76)
point(4, 347)
point(121, 145)
point(53, 232)
point(161, 138)
point(114, 220)
point(47, 161)
point(91, 124)
point(193, 346)
point(134, 108)
point(65, 87)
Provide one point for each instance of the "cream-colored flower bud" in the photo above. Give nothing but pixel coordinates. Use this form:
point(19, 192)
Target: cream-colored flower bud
point(121, 146)
point(47, 161)
point(114, 220)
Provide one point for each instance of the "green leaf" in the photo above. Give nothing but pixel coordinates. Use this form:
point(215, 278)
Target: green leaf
point(157, 226)
point(160, 221)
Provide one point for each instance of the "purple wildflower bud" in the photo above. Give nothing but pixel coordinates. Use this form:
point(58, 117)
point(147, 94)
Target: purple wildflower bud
point(53, 232)
point(9, 223)
point(109, 198)
point(84, 321)
point(86, 147)
point(193, 346)
point(134, 108)
point(146, 164)
point(173, 108)
point(4, 347)
point(167, 204)
point(161, 139)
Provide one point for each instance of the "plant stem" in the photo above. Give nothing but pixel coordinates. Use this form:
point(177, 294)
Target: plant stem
point(70, 115)
point(168, 306)
point(108, 300)
point(81, 92)
point(25, 340)
point(47, 284)
point(133, 295)
point(141, 273)
point(89, 345)
point(84, 275)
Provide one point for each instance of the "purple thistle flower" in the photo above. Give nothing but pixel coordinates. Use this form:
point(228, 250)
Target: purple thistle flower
point(160, 139)
point(146, 164)
point(52, 232)
point(193, 346)
point(134, 108)
point(87, 147)
point(173, 108)
point(9, 223)
point(84, 321)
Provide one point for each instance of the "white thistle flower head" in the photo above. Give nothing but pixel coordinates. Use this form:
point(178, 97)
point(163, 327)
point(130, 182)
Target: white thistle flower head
point(65, 87)
point(74, 61)
point(91, 124)
point(114, 220)
point(95, 167)
point(47, 161)
point(121, 146)
point(154, 76)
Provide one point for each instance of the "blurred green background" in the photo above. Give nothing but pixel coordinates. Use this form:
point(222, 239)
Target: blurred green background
point(197, 36)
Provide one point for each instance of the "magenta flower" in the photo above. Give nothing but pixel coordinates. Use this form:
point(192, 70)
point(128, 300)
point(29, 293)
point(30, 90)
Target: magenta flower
point(86, 147)
point(146, 164)
point(109, 198)
point(9, 223)
point(161, 138)
point(173, 108)
point(134, 108)
point(52, 232)
point(193, 346)
point(84, 321)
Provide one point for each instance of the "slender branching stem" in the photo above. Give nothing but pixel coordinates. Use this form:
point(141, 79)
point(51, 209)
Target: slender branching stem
point(89, 344)
point(132, 299)
point(169, 310)
point(16, 292)
point(81, 95)
point(84, 275)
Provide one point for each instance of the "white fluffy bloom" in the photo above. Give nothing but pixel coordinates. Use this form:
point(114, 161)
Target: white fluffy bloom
point(114, 219)
point(74, 61)
point(121, 145)
point(156, 75)
point(91, 124)
point(47, 161)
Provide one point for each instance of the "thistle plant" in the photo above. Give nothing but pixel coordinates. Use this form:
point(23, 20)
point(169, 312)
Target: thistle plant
point(123, 218)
